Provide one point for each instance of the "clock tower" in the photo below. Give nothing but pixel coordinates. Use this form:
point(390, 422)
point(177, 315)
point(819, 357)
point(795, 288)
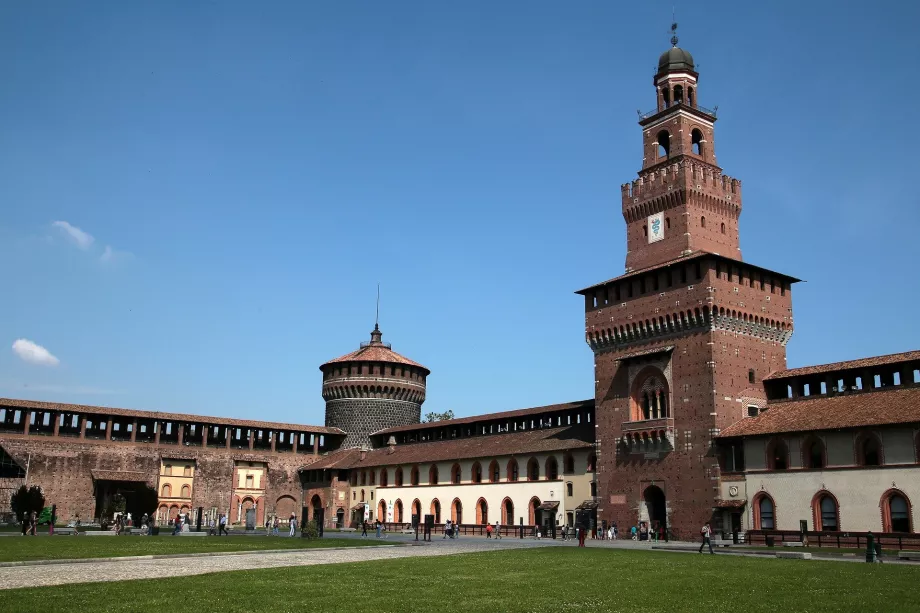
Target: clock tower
point(682, 339)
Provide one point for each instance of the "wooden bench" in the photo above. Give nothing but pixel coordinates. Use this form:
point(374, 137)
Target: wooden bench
point(909, 555)
point(406, 531)
point(136, 531)
point(793, 544)
point(794, 555)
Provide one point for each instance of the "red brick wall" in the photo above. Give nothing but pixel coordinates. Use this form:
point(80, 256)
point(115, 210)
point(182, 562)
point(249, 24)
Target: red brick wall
point(61, 466)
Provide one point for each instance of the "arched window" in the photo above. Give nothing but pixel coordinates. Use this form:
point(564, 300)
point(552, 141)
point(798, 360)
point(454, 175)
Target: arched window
point(650, 396)
point(666, 96)
point(436, 510)
point(362, 495)
point(868, 450)
point(512, 470)
point(826, 513)
point(723, 227)
point(507, 512)
point(476, 473)
point(384, 478)
point(777, 455)
point(398, 512)
point(678, 94)
point(533, 510)
point(455, 474)
point(167, 491)
point(644, 230)
point(494, 474)
point(696, 140)
point(667, 223)
point(414, 476)
point(552, 468)
point(703, 221)
point(813, 454)
point(482, 511)
point(398, 477)
point(533, 470)
point(664, 144)
point(456, 511)
point(417, 509)
point(896, 512)
point(186, 491)
point(568, 488)
point(568, 463)
point(433, 475)
point(764, 513)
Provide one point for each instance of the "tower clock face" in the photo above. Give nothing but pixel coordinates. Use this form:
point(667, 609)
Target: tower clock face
point(655, 227)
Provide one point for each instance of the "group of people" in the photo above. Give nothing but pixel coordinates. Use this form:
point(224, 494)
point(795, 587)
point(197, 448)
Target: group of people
point(29, 523)
point(379, 528)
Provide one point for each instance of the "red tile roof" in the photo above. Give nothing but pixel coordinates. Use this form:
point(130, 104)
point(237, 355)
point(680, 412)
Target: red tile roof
point(486, 446)
point(894, 405)
point(198, 419)
point(688, 258)
point(120, 475)
point(376, 353)
point(879, 360)
point(579, 404)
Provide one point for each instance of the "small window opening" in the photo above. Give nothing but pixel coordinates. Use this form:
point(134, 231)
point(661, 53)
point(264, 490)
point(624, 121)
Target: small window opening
point(664, 144)
point(751, 375)
point(703, 222)
point(696, 140)
point(723, 227)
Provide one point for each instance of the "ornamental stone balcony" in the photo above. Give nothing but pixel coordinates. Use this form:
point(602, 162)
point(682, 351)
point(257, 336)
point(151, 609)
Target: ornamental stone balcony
point(648, 436)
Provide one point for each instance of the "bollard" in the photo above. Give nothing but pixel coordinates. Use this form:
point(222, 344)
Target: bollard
point(870, 548)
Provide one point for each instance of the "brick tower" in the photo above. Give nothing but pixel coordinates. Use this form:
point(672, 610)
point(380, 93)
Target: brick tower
point(371, 389)
point(683, 339)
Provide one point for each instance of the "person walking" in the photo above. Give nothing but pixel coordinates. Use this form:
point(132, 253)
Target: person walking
point(489, 531)
point(364, 527)
point(446, 528)
point(377, 527)
point(706, 533)
point(581, 536)
point(293, 522)
point(498, 531)
point(222, 525)
point(276, 526)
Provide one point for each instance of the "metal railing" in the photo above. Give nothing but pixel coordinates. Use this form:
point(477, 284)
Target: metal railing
point(840, 540)
point(698, 107)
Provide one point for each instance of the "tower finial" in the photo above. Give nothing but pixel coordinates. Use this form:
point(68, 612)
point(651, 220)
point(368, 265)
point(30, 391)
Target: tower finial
point(673, 27)
point(377, 314)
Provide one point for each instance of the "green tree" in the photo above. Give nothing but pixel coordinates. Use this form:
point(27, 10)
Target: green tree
point(25, 500)
point(433, 416)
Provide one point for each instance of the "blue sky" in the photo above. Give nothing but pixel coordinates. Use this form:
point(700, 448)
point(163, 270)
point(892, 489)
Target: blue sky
point(245, 173)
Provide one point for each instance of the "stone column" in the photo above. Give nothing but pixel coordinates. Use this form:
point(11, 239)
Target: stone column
point(181, 433)
point(134, 431)
point(274, 435)
point(228, 432)
point(204, 435)
point(296, 440)
point(316, 444)
point(108, 429)
point(82, 427)
point(57, 423)
point(157, 427)
point(252, 438)
point(27, 418)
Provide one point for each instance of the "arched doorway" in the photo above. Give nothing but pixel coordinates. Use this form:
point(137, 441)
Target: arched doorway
point(656, 507)
point(417, 510)
point(507, 512)
point(436, 510)
point(534, 511)
point(285, 507)
point(482, 512)
point(398, 512)
point(316, 504)
point(382, 510)
point(456, 511)
point(340, 518)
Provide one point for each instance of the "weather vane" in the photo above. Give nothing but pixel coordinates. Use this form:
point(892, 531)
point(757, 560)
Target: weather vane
point(673, 28)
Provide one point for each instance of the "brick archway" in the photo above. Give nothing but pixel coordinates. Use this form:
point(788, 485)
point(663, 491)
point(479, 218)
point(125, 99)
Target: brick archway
point(456, 511)
point(820, 508)
point(482, 511)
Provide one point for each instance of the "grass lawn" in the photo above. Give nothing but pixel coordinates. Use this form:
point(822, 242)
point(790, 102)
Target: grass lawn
point(552, 579)
point(842, 550)
point(69, 547)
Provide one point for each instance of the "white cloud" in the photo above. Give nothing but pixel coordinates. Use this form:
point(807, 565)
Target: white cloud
point(34, 353)
point(110, 256)
point(81, 239)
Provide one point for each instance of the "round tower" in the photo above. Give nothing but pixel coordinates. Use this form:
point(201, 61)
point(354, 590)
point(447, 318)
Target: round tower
point(371, 389)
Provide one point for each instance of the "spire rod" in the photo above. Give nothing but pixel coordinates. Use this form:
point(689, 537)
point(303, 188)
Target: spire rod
point(377, 314)
point(673, 27)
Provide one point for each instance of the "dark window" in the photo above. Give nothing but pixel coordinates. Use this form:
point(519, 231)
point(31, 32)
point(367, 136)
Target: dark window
point(828, 514)
point(751, 376)
point(766, 514)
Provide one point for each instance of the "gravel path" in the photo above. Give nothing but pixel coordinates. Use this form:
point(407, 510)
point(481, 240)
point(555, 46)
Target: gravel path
point(124, 570)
